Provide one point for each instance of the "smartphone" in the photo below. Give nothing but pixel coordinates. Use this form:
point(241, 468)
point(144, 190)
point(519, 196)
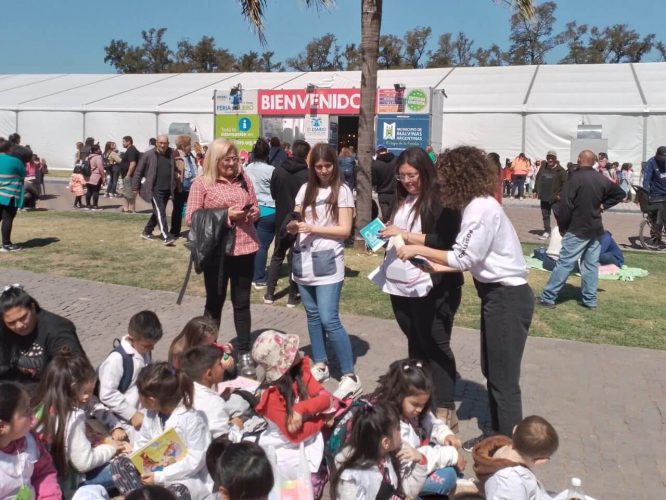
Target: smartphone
point(417, 261)
point(248, 206)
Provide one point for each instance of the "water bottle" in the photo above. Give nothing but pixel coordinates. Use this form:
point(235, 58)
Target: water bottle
point(575, 490)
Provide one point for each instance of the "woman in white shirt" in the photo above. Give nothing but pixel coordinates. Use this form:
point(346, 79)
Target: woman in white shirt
point(424, 305)
point(325, 208)
point(488, 247)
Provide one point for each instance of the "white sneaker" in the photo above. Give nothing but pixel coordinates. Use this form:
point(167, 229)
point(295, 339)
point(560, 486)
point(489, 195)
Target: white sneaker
point(544, 236)
point(320, 373)
point(348, 388)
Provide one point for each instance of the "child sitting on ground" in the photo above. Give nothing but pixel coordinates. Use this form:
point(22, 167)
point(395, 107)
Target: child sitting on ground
point(26, 469)
point(240, 470)
point(426, 440)
point(206, 366)
point(505, 465)
point(294, 405)
point(167, 394)
point(77, 186)
point(65, 403)
point(119, 372)
point(198, 331)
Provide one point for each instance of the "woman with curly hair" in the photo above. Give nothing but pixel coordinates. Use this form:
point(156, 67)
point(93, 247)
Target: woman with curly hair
point(488, 247)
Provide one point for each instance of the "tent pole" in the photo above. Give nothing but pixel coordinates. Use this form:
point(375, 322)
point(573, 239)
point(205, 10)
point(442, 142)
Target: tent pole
point(645, 134)
point(83, 139)
point(157, 124)
point(16, 121)
point(523, 142)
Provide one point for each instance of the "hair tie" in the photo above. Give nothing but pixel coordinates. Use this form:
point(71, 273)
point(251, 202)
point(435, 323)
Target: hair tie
point(406, 366)
point(9, 287)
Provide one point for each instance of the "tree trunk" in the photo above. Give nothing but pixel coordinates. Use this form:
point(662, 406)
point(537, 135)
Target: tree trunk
point(371, 22)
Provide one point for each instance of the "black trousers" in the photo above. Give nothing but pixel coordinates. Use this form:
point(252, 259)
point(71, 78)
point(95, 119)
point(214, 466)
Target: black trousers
point(506, 315)
point(179, 200)
point(159, 217)
point(546, 208)
point(386, 202)
point(7, 214)
point(114, 172)
point(92, 193)
point(238, 271)
point(280, 250)
point(427, 323)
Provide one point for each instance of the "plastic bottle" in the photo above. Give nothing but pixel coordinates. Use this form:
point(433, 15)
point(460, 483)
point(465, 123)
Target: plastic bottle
point(575, 490)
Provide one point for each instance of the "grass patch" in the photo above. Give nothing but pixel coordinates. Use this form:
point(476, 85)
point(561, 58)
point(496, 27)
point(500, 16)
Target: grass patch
point(107, 248)
point(59, 174)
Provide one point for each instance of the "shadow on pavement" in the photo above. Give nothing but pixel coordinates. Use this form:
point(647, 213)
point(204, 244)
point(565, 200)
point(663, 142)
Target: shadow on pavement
point(473, 399)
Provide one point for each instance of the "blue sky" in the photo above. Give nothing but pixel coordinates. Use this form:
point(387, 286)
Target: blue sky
point(68, 36)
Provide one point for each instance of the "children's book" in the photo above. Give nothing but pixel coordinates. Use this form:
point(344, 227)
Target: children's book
point(96, 433)
point(161, 452)
point(243, 383)
point(371, 236)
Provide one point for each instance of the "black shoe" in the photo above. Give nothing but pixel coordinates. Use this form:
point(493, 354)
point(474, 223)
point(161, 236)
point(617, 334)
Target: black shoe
point(9, 248)
point(471, 443)
point(259, 285)
point(147, 236)
point(294, 301)
point(168, 241)
point(547, 305)
point(269, 298)
point(586, 306)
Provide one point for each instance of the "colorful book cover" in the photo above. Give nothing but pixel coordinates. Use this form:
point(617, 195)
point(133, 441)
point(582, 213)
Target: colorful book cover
point(161, 452)
point(243, 383)
point(96, 433)
point(371, 236)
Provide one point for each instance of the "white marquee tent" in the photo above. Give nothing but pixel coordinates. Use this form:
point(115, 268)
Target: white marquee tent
point(503, 109)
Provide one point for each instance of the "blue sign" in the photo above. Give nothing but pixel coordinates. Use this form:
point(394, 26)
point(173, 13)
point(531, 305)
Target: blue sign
point(399, 132)
point(244, 124)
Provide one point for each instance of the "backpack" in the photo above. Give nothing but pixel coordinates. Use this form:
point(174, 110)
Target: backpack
point(85, 168)
point(341, 433)
point(128, 369)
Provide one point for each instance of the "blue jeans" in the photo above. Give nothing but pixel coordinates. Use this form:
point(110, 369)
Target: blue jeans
point(440, 482)
point(100, 475)
point(519, 183)
point(321, 303)
point(266, 231)
point(609, 258)
point(574, 248)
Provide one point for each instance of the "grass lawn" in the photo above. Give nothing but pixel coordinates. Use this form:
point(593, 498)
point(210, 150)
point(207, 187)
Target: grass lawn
point(107, 248)
point(60, 174)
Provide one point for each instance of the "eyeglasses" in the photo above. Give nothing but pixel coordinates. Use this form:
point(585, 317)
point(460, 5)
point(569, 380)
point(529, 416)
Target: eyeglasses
point(404, 178)
point(230, 160)
point(163, 143)
point(325, 166)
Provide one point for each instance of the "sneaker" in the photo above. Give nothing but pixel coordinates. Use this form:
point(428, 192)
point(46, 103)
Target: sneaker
point(246, 366)
point(469, 445)
point(86, 207)
point(349, 387)
point(168, 241)
point(540, 302)
point(96, 209)
point(269, 299)
point(10, 248)
point(544, 236)
point(107, 195)
point(294, 301)
point(147, 236)
point(320, 373)
point(521, 198)
point(259, 285)
point(586, 306)
point(466, 486)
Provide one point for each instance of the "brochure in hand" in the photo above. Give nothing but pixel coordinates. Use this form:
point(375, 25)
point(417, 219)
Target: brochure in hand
point(371, 236)
point(161, 452)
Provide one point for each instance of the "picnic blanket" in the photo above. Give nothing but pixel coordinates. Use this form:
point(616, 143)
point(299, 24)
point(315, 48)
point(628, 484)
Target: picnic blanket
point(624, 274)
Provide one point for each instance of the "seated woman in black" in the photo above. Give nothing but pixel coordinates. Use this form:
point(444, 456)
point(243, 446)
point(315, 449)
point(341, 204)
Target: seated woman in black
point(30, 337)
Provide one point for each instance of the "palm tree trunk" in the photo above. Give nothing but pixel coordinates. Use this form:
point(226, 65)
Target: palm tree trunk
point(371, 22)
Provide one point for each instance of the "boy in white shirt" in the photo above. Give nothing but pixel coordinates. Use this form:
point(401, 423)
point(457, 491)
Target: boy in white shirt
point(206, 366)
point(505, 465)
point(120, 370)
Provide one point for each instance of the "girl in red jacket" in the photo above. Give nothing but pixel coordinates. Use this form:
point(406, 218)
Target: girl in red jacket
point(295, 405)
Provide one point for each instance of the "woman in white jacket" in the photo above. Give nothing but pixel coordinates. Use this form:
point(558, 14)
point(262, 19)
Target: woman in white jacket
point(167, 394)
point(488, 247)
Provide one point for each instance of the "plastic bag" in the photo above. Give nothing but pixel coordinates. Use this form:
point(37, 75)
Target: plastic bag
point(299, 488)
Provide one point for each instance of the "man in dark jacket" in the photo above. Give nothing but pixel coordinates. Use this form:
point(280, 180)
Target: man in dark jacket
point(549, 183)
point(654, 181)
point(276, 155)
point(585, 196)
point(155, 181)
point(383, 178)
point(287, 179)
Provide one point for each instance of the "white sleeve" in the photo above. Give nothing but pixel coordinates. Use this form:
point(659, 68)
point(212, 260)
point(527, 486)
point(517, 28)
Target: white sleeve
point(472, 245)
point(349, 489)
point(145, 435)
point(196, 442)
point(345, 197)
point(218, 419)
point(439, 431)
point(110, 373)
point(300, 196)
point(501, 487)
point(80, 452)
point(95, 409)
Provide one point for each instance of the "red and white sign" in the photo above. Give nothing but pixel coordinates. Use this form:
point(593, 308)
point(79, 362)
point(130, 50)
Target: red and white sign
point(301, 102)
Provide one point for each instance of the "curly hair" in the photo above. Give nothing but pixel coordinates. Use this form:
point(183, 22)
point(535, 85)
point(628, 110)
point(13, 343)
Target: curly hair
point(465, 173)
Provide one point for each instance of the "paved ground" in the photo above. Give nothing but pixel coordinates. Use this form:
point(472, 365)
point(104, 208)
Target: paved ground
point(608, 403)
point(622, 221)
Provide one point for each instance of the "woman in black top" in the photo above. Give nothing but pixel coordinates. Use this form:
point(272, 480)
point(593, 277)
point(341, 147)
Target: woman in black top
point(30, 337)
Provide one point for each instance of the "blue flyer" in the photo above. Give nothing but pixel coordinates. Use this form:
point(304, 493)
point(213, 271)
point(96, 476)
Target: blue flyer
point(371, 236)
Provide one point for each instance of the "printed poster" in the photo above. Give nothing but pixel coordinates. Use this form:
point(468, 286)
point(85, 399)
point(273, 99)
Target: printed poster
point(242, 129)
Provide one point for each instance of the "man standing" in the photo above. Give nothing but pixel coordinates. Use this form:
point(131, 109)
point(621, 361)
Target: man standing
point(550, 180)
point(654, 181)
point(127, 168)
point(155, 181)
point(276, 155)
point(383, 178)
point(585, 196)
point(286, 180)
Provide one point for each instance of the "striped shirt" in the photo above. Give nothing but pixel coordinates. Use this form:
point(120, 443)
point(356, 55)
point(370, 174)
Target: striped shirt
point(12, 173)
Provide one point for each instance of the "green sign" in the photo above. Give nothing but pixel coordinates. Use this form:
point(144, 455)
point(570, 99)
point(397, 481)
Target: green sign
point(416, 100)
point(244, 130)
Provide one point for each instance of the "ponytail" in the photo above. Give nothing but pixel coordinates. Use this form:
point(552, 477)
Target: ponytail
point(168, 385)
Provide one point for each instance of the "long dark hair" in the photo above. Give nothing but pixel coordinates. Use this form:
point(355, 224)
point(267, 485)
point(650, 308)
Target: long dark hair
point(285, 386)
point(428, 197)
point(11, 397)
point(13, 297)
point(57, 395)
point(166, 384)
point(322, 151)
point(372, 423)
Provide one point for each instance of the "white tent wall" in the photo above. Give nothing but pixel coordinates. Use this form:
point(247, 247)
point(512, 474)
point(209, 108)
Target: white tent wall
point(52, 135)
point(204, 122)
point(493, 132)
point(655, 136)
point(108, 126)
point(7, 123)
point(554, 131)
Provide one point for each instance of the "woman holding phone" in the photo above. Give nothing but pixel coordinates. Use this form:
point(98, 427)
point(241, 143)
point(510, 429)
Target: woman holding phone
point(424, 305)
point(326, 206)
point(223, 185)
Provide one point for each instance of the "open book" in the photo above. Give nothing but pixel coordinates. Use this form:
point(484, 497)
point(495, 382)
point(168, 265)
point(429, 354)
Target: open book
point(96, 432)
point(161, 452)
point(243, 383)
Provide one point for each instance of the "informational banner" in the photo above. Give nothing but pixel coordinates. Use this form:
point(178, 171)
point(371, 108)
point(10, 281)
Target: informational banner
point(316, 129)
point(398, 132)
point(242, 129)
point(301, 102)
point(228, 103)
point(389, 101)
point(416, 101)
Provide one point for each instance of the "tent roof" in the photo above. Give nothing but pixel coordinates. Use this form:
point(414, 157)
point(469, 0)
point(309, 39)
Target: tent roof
point(603, 88)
